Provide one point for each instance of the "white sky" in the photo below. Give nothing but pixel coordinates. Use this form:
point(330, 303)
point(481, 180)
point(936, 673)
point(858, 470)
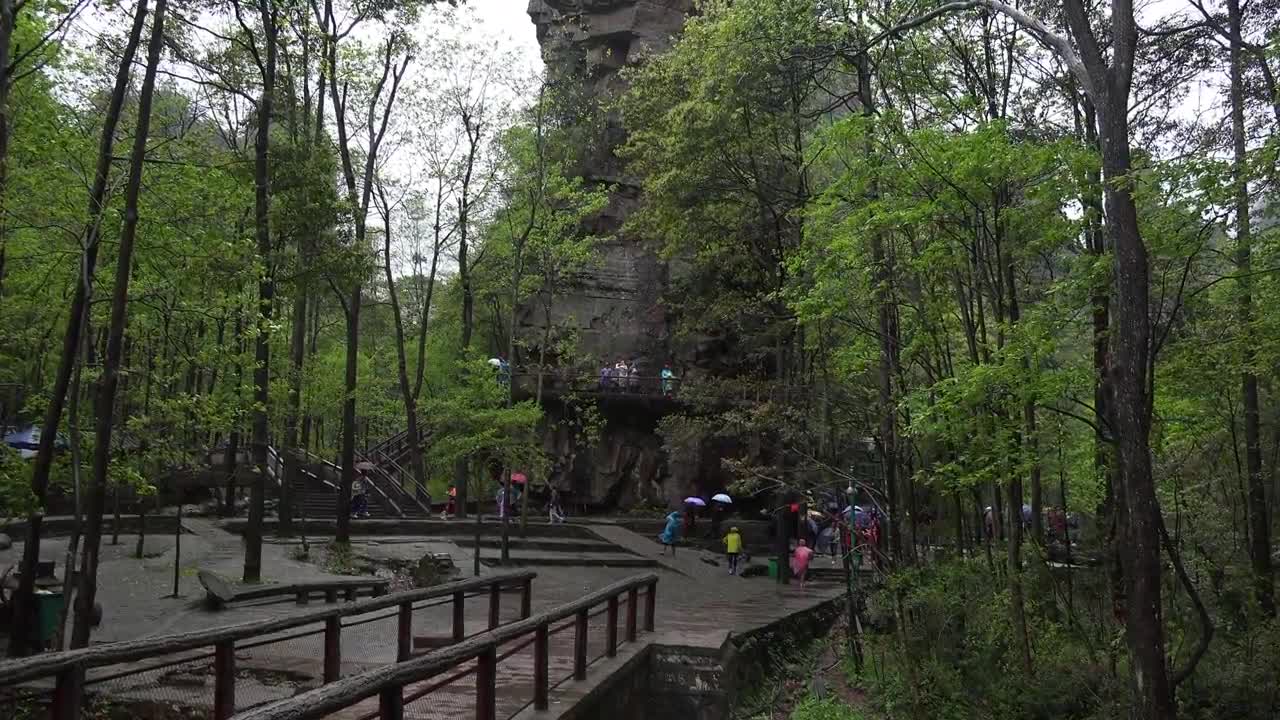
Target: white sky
point(509, 18)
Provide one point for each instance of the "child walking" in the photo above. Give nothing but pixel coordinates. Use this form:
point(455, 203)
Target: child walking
point(733, 549)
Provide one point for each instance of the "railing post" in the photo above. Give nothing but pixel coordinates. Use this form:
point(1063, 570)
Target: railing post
point(391, 704)
point(495, 603)
point(404, 631)
point(650, 605)
point(633, 600)
point(580, 646)
point(224, 680)
point(487, 684)
point(332, 648)
point(540, 668)
point(459, 621)
point(67, 694)
point(526, 598)
point(611, 635)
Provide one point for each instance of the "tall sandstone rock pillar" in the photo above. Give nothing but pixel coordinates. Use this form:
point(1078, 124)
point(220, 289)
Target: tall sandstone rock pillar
point(615, 308)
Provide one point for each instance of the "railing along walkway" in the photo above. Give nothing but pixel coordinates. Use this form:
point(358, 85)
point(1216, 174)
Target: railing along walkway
point(478, 659)
point(728, 390)
point(149, 669)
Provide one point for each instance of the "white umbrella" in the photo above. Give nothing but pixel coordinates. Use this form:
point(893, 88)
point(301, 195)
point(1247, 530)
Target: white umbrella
point(722, 498)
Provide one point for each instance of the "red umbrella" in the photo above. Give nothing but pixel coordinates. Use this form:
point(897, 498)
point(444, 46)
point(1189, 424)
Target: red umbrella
point(519, 478)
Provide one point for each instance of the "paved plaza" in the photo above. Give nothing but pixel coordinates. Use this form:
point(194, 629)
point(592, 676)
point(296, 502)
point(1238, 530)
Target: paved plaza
point(699, 605)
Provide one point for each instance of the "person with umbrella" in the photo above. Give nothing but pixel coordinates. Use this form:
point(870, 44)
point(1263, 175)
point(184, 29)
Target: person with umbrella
point(720, 503)
point(693, 502)
point(671, 533)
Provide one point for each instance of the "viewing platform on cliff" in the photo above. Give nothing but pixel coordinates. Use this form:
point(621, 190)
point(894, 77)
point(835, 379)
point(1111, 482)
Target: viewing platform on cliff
point(656, 391)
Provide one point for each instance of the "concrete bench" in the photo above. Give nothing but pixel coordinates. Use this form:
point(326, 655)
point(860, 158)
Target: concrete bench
point(220, 591)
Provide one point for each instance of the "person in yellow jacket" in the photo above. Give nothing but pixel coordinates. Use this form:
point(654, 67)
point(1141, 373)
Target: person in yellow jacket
point(733, 549)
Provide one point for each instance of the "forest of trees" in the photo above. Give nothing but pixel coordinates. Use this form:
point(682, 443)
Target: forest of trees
point(265, 226)
point(1028, 251)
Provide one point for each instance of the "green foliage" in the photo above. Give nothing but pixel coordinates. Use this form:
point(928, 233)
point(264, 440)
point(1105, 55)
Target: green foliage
point(824, 709)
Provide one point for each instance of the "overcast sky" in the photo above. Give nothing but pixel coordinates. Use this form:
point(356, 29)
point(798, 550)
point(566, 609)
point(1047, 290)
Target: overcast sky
point(509, 18)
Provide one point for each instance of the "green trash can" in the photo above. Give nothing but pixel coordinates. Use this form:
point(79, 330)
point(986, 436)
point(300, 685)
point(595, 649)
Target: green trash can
point(48, 612)
point(773, 568)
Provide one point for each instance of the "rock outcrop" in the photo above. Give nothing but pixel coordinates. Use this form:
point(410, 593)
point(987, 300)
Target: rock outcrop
point(615, 308)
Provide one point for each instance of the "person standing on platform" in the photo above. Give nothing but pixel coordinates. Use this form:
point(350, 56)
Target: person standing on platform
point(733, 549)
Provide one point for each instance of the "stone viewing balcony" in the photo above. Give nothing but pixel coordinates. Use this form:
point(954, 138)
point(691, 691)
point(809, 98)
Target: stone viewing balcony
point(650, 389)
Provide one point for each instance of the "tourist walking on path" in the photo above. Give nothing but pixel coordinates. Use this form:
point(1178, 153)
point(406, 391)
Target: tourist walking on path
point(555, 512)
point(359, 500)
point(733, 549)
point(800, 561)
point(671, 533)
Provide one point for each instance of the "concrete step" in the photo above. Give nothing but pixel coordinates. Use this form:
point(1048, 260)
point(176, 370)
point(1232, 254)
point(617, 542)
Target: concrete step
point(528, 558)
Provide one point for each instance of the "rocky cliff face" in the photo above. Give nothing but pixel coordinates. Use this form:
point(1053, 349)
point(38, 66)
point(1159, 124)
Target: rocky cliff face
point(615, 308)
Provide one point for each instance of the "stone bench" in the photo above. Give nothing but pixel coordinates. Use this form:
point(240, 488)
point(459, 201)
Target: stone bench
point(220, 591)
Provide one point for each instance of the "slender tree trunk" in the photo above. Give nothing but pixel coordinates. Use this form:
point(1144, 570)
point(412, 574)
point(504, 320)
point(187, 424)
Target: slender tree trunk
point(21, 642)
point(88, 586)
point(294, 453)
point(266, 299)
point(1259, 525)
point(86, 357)
point(416, 464)
point(231, 459)
point(349, 417)
point(1131, 422)
point(8, 19)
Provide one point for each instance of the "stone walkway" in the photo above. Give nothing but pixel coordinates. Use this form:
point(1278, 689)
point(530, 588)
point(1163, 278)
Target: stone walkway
point(699, 605)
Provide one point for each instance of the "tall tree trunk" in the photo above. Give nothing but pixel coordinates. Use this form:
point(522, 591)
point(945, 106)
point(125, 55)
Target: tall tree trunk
point(886, 324)
point(349, 417)
point(88, 587)
point(294, 452)
point(8, 20)
point(416, 464)
point(266, 300)
point(1131, 422)
point(1259, 525)
point(231, 458)
point(468, 314)
point(23, 607)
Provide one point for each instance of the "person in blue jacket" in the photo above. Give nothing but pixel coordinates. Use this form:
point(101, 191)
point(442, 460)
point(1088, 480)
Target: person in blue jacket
point(671, 533)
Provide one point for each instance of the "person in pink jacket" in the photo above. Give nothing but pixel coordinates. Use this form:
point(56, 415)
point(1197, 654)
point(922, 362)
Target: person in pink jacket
point(800, 561)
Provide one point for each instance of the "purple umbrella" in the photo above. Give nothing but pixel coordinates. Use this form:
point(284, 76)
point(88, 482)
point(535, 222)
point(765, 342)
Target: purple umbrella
point(697, 501)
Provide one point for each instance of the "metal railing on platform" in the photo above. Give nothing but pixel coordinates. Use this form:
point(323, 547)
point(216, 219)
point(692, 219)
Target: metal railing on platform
point(477, 660)
point(174, 669)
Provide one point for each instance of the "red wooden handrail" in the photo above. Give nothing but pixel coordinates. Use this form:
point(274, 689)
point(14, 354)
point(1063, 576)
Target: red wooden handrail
point(388, 683)
point(69, 667)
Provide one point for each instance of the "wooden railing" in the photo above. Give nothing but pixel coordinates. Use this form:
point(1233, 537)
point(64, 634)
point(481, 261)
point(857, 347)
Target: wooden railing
point(389, 684)
point(69, 669)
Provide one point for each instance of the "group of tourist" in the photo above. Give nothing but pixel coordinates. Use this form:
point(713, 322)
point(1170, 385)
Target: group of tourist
point(814, 533)
point(624, 375)
point(1058, 521)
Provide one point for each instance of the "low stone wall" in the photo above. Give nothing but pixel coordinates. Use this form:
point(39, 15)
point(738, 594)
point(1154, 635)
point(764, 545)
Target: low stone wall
point(424, 528)
point(60, 526)
point(758, 652)
point(698, 683)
